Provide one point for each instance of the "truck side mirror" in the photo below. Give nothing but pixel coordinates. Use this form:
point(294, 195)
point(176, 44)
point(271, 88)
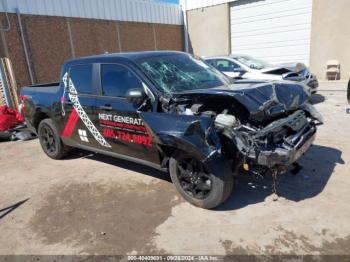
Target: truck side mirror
point(135, 96)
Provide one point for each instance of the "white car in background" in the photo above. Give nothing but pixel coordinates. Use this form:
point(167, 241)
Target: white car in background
point(247, 67)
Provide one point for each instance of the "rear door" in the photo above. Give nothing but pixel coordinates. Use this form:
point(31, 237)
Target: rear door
point(79, 106)
point(117, 119)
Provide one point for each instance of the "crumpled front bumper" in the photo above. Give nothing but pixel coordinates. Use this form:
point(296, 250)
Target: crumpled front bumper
point(283, 141)
point(289, 151)
point(313, 84)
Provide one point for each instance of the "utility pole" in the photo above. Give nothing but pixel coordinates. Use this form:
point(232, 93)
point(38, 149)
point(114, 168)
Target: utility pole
point(184, 12)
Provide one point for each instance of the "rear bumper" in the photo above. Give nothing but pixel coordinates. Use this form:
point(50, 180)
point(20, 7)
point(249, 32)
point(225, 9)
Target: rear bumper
point(290, 150)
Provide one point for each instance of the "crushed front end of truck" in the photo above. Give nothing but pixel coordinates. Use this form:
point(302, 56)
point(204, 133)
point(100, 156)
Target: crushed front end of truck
point(275, 146)
point(208, 128)
point(264, 127)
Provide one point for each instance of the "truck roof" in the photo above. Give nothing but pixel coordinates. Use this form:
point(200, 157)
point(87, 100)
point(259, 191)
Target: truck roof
point(110, 57)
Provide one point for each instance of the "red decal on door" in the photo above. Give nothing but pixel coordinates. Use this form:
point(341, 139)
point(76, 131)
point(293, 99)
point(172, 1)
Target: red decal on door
point(71, 123)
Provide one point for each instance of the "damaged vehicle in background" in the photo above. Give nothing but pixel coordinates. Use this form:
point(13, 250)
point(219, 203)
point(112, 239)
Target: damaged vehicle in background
point(246, 67)
point(172, 111)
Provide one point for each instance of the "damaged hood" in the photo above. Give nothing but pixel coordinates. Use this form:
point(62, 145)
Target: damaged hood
point(293, 67)
point(263, 101)
point(284, 68)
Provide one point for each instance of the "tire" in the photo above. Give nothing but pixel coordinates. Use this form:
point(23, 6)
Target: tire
point(50, 140)
point(221, 181)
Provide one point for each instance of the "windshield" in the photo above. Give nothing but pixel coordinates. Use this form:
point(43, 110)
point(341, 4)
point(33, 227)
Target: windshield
point(252, 63)
point(176, 73)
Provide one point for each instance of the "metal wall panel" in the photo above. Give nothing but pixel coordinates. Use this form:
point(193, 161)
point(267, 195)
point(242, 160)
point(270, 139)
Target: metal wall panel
point(121, 10)
point(277, 31)
point(195, 4)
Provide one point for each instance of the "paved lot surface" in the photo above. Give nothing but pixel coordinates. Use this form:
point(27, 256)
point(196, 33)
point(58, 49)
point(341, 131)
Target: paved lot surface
point(92, 204)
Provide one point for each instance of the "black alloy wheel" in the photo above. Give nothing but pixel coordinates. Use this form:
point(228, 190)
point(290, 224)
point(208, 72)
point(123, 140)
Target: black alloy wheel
point(203, 184)
point(48, 139)
point(193, 178)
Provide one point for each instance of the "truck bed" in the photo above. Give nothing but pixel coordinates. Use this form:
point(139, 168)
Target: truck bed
point(51, 88)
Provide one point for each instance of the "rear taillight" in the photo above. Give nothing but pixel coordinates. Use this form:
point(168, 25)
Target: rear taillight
point(23, 98)
point(22, 106)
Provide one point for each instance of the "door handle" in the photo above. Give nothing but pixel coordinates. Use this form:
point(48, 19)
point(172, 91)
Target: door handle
point(106, 107)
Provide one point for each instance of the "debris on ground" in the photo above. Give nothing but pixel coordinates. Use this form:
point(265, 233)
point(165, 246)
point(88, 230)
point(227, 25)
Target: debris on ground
point(9, 118)
point(12, 125)
point(20, 133)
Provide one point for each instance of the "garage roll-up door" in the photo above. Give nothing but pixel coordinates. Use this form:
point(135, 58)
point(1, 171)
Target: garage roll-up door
point(277, 31)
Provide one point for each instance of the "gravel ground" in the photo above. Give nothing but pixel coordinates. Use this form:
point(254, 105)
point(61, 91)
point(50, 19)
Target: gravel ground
point(92, 204)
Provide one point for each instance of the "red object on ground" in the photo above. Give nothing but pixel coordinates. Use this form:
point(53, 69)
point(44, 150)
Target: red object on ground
point(9, 118)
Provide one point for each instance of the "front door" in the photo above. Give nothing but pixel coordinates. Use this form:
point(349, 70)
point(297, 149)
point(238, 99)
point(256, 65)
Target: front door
point(118, 120)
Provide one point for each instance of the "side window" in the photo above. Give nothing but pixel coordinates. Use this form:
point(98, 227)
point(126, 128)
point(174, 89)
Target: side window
point(225, 65)
point(116, 80)
point(81, 76)
point(212, 63)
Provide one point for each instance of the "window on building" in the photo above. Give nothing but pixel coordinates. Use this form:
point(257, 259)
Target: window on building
point(81, 76)
point(117, 80)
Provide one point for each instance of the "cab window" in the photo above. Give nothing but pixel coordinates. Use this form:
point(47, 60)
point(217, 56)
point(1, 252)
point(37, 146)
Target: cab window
point(116, 80)
point(81, 76)
point(224, 65)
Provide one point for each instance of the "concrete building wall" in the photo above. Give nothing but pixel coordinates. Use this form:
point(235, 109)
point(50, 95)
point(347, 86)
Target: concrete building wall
point(330, 36)
point(209, 30)
point(11, 46)
point(137, 37)
point(48, 46)
point(169, 37)
point(93, 36)
point(51, 40)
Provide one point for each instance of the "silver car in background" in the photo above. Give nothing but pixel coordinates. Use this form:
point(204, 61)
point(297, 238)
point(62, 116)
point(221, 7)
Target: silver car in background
point(247, 67)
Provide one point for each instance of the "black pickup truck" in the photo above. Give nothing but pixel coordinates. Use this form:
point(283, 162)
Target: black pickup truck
point(172, 111)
